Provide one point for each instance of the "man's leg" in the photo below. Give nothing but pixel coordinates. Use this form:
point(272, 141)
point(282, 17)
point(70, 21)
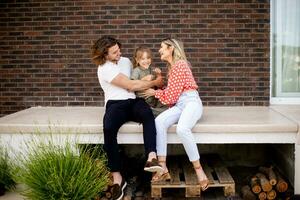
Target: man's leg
point(142, 113)
point(115, 116)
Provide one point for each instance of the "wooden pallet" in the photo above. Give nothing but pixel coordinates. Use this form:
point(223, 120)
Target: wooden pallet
point(184, 176)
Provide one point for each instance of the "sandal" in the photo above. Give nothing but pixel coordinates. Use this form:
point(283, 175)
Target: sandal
point(204, 184)
point(153, 166)
point(161, 177)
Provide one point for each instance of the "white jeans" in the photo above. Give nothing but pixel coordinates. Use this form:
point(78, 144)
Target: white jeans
point(186, 112)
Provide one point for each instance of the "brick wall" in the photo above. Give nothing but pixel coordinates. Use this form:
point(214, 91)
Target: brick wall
point(45, 45)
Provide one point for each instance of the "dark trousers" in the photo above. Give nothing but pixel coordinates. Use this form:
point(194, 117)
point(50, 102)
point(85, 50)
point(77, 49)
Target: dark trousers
point(119, 112)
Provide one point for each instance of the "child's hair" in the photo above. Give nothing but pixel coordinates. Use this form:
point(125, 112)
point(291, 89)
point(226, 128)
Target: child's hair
point(138, 53)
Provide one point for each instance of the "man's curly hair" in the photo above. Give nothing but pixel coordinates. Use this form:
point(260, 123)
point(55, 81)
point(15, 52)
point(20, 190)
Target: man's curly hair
point(100, 49)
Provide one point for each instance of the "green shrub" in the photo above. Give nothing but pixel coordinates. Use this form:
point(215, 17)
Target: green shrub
point(52, 172)
point(6, 177)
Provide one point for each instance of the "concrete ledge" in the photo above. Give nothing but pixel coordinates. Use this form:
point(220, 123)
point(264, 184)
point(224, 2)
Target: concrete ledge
point(89, 120)
point(217, 125)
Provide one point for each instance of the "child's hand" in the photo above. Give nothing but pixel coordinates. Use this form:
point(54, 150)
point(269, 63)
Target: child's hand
point(148, 93)
point(157, 70)
point(147, 78)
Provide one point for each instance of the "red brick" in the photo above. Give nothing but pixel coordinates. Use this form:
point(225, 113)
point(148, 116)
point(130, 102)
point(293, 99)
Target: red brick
point(45, 48)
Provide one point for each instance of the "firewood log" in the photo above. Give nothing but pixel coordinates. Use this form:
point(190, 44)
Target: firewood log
point(247, 194)
point(262, 195)
point(271, 194)
point(281, 185)
point(255, 185)
point(108, 194)
point(270, 174)
point(264, 182)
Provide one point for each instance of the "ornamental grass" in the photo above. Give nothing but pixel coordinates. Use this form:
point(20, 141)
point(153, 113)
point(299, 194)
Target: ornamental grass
point(6, 173)
point(60, 172)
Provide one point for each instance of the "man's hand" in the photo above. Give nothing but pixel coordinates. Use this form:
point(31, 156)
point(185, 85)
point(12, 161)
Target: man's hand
point(157, 71)
point(135, 85)
point(148, 93)
point(159, 81)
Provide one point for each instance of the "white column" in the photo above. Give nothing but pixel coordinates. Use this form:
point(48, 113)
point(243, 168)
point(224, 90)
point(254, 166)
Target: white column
point(297, 169)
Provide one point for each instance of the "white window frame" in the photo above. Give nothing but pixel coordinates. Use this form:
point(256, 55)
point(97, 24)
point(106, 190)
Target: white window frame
point(289, 99)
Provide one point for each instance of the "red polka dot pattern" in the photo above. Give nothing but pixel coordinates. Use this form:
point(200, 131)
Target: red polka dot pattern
point(180, 79)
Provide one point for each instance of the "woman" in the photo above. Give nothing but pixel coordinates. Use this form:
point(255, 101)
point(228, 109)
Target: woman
point(186, 109)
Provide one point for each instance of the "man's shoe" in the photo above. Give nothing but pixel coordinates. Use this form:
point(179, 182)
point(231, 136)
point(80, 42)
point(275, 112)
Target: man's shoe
point(117, 191)
point(153, 166)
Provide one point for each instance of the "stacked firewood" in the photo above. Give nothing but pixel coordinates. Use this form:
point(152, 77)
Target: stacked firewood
point(266, 184)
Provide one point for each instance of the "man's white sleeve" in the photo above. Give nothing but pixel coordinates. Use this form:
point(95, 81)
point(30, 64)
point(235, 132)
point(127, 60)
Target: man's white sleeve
point(108, 74)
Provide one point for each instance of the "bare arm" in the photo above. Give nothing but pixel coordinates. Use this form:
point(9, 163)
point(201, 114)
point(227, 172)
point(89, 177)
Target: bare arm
point(135, 85)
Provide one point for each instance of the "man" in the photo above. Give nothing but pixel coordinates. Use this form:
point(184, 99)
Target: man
point(123, 106)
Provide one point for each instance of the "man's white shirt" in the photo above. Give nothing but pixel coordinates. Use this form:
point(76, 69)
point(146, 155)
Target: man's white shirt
point(107, 72)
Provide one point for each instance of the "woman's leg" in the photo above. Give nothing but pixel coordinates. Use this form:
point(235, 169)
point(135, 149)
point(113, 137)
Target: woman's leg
point(202, 179)
point(189, 117)
point(191, 113)
point(162, 123)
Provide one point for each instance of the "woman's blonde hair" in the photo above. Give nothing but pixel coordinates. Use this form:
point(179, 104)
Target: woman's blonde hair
point(178, 53)
point(138, 53)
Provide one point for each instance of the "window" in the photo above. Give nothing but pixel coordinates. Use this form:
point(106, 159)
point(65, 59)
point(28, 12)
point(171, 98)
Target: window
point(285, 48)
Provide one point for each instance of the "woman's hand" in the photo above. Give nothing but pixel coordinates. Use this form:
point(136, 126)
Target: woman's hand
point(148, 93)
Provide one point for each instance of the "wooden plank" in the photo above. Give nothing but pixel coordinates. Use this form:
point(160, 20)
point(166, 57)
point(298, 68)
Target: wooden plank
point(159, 183)
point(192, 192)
point(208, 171)
point(155, 192)
point(189, 174)
point(229, 190)
point(181, 185)
point(223, 175)
point(174, 171)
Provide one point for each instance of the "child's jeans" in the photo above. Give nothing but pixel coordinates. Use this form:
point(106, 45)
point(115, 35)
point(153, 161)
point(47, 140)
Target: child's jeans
point(186, 112)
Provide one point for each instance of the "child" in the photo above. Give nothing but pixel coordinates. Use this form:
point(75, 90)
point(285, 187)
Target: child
point(142, 70)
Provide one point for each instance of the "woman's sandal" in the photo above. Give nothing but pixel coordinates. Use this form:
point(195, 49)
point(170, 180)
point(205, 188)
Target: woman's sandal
point(204, 183)
point(161, 177)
